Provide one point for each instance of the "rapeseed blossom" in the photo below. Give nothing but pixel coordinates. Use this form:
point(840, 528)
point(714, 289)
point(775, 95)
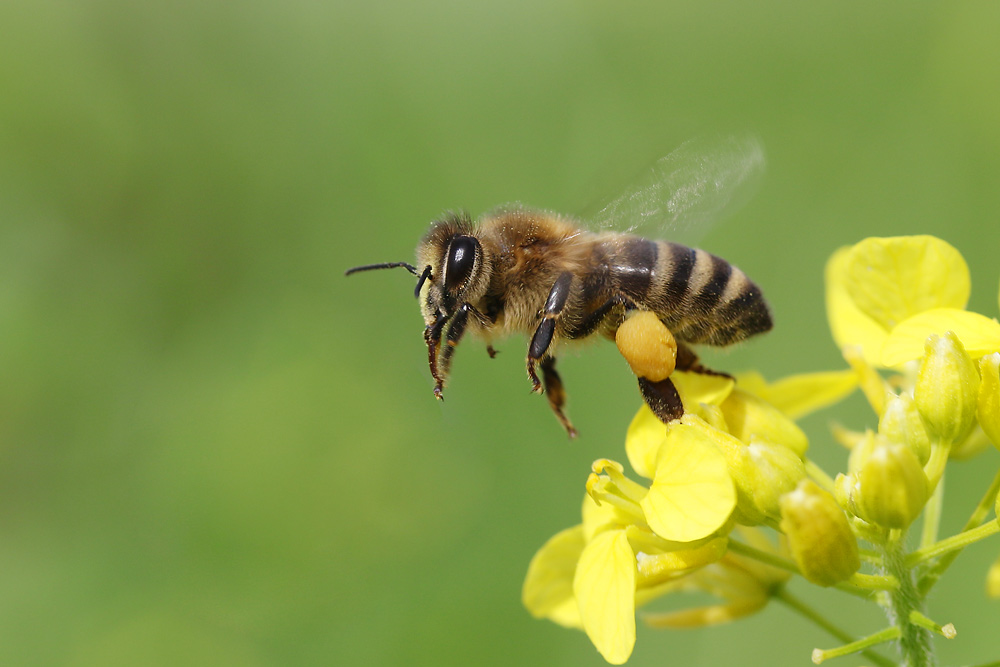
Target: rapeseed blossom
point(735, 466)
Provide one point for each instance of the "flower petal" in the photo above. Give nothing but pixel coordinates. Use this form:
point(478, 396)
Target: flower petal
point(692, 494)
point(697, 388)
point(849, 325)
point(604, 587)
point(703, 616)
point(979, 334)
point(657, 568)
point(802, 394)
point(548, 586)
point(645, 435)
point(891, 279)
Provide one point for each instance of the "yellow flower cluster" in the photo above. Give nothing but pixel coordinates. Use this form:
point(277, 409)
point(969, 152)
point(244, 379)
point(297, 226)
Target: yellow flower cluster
point(728, 462)
point(736, 461)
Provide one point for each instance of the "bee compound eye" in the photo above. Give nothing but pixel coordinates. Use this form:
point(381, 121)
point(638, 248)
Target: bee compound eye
point(461, 260)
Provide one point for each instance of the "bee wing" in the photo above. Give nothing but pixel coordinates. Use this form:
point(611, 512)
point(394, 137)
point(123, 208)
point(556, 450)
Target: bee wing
point(692, 186)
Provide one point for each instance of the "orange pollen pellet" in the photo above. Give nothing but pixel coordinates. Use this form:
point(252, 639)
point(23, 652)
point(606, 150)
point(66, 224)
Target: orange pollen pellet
point(647, 345)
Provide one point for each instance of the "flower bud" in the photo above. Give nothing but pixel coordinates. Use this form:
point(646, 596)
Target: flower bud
point(647, 345)
point(893, 487)
point(862, 450)
point(847, 491)
point(947, 387)
point(901, 422)
point(767, 472)
point(989, 397)
point(819, 536)
point(748, 416)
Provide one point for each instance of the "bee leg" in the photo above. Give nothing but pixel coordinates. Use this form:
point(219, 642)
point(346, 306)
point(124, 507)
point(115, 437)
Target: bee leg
point(542, 337)
point(432, 336)
point(662, 398)
point(490, 351)
point(687, 360)
point(453, 334)
point(556, 394)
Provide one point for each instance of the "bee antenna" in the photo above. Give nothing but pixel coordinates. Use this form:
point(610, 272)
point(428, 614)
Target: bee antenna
point(420, 283)
point(385, 265)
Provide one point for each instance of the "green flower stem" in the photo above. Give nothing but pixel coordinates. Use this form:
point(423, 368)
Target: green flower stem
point(947, 631)
point(821, 621)
point(875, 582)
point(953, 543)
point(880, 637)
point(982, 509)
point(936, 464)
point(859, 585)
point(764, 557)
point(932, 516)
point(819, 476)
point(914, 640)
point(863, 593)
point(870, 556)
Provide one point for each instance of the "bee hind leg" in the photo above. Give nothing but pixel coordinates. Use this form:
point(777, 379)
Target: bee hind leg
point(556, 393)
point(662, 398)
point(687, 360)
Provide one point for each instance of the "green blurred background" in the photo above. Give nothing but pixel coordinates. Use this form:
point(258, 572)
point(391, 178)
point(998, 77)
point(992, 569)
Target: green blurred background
point(218, 450)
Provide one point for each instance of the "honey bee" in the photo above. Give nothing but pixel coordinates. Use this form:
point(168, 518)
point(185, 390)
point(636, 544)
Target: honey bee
point(518, 270)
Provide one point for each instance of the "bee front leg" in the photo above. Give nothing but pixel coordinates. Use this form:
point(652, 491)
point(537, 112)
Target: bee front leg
point(556, 394)
point(432, 336)
point(452, 335)
point(542, 338)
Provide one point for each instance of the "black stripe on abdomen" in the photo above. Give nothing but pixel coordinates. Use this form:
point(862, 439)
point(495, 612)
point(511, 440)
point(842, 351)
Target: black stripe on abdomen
point(632, 266)
point(710, 291)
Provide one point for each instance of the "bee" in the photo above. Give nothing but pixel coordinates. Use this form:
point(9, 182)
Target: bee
point(540, 274)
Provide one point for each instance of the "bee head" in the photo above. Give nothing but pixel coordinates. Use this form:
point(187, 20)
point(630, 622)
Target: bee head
point(454, 267)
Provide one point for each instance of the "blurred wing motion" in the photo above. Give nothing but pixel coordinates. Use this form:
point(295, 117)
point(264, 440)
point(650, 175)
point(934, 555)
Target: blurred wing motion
point(692, 186)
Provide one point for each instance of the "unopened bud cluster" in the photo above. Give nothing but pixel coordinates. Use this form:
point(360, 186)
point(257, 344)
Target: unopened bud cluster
point(892, 473)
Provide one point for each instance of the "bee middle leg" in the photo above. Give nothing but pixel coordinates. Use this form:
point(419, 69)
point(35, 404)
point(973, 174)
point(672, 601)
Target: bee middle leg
point(556, 394)
point(546, 329)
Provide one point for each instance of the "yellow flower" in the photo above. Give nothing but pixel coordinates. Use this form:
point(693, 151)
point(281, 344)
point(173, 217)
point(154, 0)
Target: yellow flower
point(633, 540)
point(876, 285)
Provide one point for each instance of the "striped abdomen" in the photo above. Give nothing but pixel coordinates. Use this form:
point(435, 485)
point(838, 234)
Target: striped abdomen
point(700, 297)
